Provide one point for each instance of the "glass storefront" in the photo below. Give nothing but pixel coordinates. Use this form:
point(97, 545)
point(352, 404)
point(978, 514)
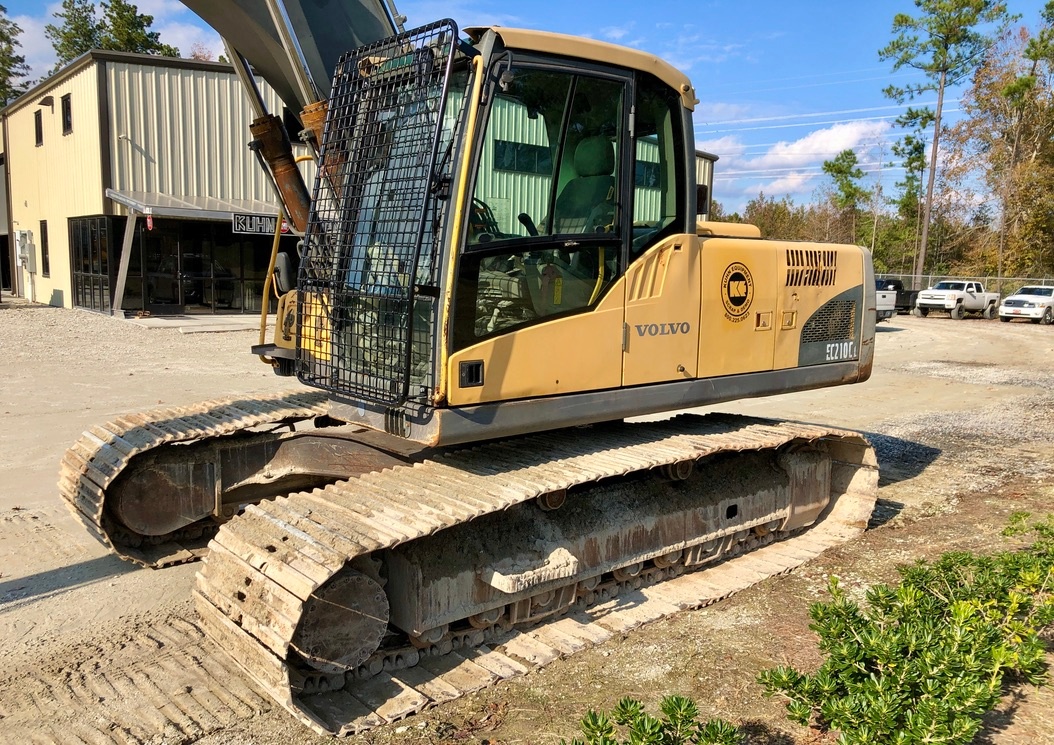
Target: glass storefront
point(177, 267)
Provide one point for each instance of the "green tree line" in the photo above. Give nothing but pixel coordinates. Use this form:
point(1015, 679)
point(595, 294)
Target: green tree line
point(976, 198)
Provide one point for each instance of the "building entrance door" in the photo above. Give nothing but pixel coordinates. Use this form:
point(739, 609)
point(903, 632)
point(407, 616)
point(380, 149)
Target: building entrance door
point(164, 280)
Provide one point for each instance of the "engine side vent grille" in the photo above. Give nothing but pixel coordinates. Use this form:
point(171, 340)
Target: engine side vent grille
point(835, 321)
point(808, 267)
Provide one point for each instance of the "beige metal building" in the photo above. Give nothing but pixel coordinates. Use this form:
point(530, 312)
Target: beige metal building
point(145, 156)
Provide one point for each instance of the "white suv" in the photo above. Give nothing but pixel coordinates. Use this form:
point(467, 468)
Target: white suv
point(1032, 302)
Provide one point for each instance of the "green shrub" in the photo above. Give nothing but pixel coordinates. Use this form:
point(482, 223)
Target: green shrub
point(924, 661)
point(679, 725)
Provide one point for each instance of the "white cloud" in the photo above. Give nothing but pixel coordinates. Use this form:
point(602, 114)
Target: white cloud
point(821, 145)
point(616, 33)
point(36, 47)
point(689, 48)
point(183, 36)
point(788, 168)
point(791, 183)
point(726, 148)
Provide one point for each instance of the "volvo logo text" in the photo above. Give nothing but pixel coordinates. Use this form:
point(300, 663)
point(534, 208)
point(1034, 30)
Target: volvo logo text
point(662, 329)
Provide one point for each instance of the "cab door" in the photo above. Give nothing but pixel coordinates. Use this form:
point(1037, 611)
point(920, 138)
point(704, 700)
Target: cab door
point(662, 313)
point(661, 333)
point(538, 307)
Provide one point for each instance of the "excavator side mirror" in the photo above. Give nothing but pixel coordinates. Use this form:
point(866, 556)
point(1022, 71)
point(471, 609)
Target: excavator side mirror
point(283, 273)
point(702, 200)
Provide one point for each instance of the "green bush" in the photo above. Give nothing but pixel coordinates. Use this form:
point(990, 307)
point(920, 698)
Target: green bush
point(679, 725)
point(924, 661)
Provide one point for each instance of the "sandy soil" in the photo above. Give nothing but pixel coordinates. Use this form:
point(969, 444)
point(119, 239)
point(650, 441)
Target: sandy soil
point(95, 650)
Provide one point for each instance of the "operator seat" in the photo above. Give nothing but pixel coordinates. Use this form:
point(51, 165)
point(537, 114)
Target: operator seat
point(588, 199)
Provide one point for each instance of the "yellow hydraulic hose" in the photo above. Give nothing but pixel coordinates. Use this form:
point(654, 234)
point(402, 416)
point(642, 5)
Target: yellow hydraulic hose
point(265, 299)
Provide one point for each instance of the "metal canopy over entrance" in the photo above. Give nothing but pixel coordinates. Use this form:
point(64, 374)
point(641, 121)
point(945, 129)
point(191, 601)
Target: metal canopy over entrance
point(151, 205)
point(190, 208)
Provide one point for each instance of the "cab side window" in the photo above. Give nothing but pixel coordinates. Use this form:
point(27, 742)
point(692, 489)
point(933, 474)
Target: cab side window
point(543, 235)
point(658, 166)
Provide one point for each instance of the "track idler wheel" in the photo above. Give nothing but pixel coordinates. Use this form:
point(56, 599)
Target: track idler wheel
point(342, 623)
point(679, 471)
point(553, 500)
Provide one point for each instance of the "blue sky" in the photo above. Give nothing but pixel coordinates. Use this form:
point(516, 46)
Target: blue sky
point(783, 85)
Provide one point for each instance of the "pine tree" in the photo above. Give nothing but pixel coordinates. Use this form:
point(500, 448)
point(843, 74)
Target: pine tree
point(946, 44)
point(13, 67)
point(844, 169)
point(79, 32)
point(125, 29)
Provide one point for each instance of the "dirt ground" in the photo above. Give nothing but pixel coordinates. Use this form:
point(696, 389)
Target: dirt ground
point(95, 650)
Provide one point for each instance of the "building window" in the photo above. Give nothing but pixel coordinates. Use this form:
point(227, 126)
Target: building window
point(519, 157)
point(93, 272)
point(38, 123)
point(67, 114)
point(646, 175)
point(45, 257)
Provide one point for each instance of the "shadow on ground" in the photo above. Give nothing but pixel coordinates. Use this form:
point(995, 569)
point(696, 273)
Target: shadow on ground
point(20, 591)
point(759, 733)
point(21, 305)
point(898, 460)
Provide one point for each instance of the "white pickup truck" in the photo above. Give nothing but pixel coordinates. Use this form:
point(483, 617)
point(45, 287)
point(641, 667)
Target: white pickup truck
point(885, 301)
point(1034, 302)
point(957, 298)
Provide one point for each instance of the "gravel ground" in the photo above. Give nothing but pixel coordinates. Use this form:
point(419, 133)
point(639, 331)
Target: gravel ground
point(960, 413)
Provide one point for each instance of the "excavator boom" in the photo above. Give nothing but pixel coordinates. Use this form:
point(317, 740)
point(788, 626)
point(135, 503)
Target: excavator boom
point(260, 30)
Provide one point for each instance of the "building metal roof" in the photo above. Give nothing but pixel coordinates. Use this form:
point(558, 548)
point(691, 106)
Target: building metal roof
point(34, 94)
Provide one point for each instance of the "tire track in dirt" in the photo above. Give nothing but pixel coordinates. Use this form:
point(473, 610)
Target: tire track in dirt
point(37, 527)
point(162, 682)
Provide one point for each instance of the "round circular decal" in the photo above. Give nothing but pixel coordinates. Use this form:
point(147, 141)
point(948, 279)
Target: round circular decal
point(737, 291)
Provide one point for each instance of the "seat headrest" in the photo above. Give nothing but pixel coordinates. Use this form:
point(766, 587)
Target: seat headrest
point(595, 156)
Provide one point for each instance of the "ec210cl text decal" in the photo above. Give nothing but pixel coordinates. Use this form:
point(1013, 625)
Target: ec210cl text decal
point(842, 350)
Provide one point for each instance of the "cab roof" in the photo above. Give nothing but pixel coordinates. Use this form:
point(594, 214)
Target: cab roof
point(594, 51)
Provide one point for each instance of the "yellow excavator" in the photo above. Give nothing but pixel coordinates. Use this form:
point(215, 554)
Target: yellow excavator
point(502, 264)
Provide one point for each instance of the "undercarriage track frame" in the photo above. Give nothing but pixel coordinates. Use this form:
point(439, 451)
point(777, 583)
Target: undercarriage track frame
point(269, 568)
point(94, 462)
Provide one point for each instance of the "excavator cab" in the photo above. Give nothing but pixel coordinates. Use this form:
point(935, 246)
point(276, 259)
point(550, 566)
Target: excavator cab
point(502, 236)
point(406, 296)
point(502, 239)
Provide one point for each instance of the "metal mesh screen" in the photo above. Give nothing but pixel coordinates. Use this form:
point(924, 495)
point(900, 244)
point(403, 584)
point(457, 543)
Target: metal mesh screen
point(834, 321)
point(367, 278)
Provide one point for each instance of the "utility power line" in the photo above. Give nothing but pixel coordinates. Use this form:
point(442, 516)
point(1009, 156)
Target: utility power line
point(784, 117)
point(808, 124)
